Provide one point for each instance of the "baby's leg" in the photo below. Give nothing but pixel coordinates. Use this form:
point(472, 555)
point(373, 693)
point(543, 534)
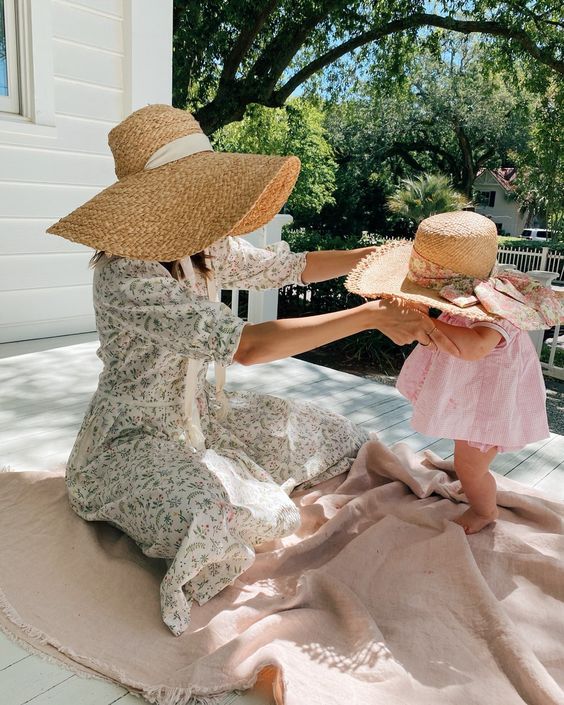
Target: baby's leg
point(473, 470)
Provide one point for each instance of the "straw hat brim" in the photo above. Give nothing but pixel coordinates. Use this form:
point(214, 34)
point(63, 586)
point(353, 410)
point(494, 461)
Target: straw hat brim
point(181, 208)
point(383, 275)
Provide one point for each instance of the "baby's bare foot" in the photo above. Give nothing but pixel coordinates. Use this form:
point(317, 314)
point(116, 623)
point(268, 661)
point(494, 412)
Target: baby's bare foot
point(472, 522)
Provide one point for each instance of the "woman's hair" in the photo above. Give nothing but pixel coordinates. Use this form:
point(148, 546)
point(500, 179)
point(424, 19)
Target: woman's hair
point(100, 256)
point(175, 268)
point(200, 263)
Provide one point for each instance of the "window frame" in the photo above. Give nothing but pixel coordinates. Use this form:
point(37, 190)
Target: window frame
point(486, 199)
point(35, 122)
point(11, 102)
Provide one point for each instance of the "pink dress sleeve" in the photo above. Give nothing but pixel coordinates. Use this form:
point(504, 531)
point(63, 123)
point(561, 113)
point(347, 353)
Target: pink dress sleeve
point(506, 329)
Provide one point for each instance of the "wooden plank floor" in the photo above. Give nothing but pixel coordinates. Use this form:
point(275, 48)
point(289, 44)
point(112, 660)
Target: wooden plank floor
point(45, 387)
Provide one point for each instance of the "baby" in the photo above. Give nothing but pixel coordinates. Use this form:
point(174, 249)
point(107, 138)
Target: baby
point(489, 398)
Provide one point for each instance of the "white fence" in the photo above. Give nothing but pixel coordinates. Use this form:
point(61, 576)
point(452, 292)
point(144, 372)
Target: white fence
point(550, 367)
point(545, 260)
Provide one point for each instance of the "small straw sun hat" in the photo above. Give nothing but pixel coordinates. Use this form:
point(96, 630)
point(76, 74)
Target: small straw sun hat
point(175, 196)
point(451, 265)
point(461, 242)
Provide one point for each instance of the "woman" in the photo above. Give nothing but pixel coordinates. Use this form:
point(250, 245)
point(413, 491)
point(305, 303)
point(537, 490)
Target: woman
point(195, 475)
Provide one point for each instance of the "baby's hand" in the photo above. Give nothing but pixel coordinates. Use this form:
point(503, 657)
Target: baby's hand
point(406, 324)
point(471, 343)
point(439, 339)
point(436, 337)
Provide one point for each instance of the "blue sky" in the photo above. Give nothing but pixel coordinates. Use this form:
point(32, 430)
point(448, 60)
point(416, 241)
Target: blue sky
point(3, 78)
point(3, 73)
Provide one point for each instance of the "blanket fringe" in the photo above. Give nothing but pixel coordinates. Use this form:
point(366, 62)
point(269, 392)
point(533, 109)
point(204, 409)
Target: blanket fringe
point(161, 695)
point(180, 696)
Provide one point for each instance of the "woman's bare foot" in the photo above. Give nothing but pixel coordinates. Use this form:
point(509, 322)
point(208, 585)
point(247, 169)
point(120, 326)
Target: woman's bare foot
point(472, 522)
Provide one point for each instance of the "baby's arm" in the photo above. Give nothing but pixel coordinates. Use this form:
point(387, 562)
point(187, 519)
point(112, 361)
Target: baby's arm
point(472, 343)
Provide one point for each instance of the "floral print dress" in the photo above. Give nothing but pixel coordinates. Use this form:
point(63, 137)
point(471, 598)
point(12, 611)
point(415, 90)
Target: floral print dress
point(202, 507)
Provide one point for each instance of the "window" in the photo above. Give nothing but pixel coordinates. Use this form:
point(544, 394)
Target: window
point(9, 88)
point(486, 198)
point(27, 95)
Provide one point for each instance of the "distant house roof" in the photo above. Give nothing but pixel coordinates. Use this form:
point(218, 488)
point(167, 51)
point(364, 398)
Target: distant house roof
point(505, 176)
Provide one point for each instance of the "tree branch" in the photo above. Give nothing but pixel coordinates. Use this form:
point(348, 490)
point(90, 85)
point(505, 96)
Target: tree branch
point(277, 55)
point(407, 158)
point(420, 146)
point(470, 170)
point(245, 40)
point(259, 83)
point(414, 21)
point(538, 19)
point(486, 156)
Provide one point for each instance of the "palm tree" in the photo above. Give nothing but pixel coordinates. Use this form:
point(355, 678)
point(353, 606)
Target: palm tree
point(425, 195)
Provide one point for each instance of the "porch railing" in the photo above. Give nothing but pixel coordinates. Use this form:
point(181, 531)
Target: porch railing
point(545, 259)
point(262, 305)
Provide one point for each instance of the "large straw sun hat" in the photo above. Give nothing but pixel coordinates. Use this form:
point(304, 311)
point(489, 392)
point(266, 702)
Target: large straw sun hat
point(175, 196)
point(460, 243)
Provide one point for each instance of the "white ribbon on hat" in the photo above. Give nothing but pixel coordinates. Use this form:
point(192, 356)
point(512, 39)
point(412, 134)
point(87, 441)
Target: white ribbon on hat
point(178, 149)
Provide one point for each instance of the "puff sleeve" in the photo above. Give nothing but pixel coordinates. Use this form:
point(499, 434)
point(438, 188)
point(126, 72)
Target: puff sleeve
point(139, 299)
point(239, 265)
point(506, 329)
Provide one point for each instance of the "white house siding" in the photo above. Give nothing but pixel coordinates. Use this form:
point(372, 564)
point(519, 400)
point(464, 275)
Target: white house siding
point(506, 211)
point(45, 283)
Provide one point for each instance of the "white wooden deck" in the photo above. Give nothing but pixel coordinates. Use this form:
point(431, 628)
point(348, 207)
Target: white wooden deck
point(45, 387)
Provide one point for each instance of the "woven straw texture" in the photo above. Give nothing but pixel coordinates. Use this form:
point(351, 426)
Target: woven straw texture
point(180, 208)
point(462, 241)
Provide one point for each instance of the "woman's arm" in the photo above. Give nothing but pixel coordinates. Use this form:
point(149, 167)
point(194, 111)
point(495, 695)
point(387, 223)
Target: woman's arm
point(327, 264)
point(239, 265)
point(274, 340)
point(472, 343)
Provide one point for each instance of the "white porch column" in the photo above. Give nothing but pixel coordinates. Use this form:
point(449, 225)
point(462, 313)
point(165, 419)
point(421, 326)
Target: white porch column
point(263, 305)
point(147, 38)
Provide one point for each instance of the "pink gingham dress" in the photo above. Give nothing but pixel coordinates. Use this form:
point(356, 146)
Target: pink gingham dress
point(498, 401)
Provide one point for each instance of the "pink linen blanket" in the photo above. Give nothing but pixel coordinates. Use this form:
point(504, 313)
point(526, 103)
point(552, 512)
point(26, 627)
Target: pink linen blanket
point(377, 599)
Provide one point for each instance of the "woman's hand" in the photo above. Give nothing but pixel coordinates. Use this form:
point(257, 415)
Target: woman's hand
point(275, 340)
point(405, 325)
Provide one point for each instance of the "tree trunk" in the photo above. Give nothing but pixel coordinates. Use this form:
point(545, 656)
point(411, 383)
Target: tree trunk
point(222, 110)
point(468, 168)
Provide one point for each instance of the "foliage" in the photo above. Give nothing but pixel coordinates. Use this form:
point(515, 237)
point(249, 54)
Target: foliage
point(456, 116)
point(321, 297)
point(450, 115)
point(541, 161)
point(425, 195)
point(363, 179)
point(409, 91)
point(296, 129)
point(228, 55)
point(558, 357)
point(371, 349)
point(309, 240)
point(525, 244)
